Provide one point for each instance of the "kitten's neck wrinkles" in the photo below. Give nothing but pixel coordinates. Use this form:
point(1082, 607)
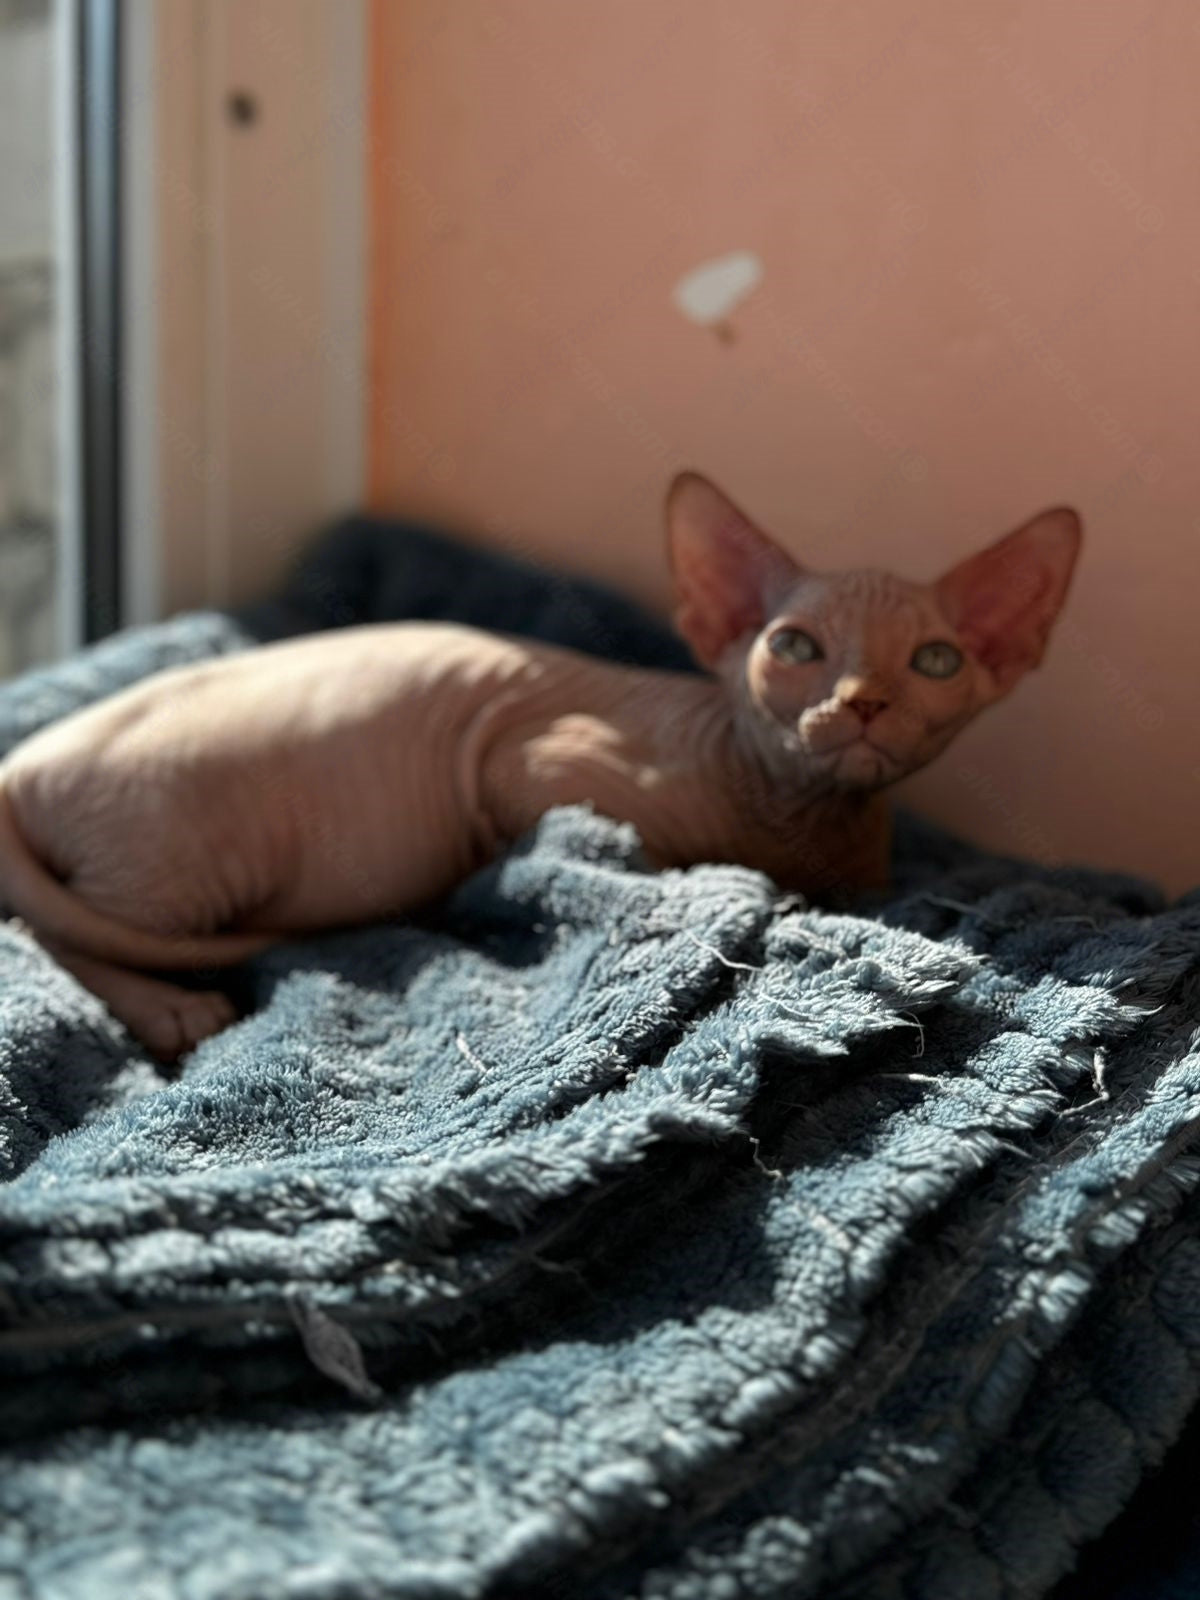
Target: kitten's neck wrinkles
point(668, 753)
point(797, 826)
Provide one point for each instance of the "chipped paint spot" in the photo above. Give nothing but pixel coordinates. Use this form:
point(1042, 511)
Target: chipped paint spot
point(709, 293)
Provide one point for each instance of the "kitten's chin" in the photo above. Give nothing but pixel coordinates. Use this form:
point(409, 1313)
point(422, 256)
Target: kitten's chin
point(862, 766)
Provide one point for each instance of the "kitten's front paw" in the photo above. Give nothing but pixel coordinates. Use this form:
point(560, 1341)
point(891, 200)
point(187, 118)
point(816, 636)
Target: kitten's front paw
point(180, 1019)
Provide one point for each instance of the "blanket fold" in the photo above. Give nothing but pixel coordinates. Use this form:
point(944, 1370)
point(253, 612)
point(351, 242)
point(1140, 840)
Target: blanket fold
point(601, 1232)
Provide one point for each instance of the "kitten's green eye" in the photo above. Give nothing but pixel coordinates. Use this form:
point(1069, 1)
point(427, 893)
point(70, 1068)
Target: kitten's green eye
point(937, 660)
point(794, 646)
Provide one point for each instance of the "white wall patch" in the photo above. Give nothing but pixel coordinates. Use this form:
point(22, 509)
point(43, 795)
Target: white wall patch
point(709, 293)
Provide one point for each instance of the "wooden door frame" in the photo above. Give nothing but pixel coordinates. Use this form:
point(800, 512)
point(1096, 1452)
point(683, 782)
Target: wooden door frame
point(220, 492)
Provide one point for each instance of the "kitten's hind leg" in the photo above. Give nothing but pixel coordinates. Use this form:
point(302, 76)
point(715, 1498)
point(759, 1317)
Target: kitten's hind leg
point(168, 1019)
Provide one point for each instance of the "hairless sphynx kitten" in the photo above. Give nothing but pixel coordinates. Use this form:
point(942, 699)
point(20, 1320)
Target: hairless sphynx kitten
point(212, 809)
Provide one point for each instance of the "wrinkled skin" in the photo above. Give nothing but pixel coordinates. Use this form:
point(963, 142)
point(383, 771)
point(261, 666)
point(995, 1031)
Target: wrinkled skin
point(197, 817)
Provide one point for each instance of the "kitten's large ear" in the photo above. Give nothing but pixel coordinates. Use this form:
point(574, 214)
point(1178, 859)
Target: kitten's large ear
point(728, 575)
point(1004, 600)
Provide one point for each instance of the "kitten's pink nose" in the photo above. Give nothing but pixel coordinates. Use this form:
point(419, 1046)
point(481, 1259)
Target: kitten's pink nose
point(867, 709)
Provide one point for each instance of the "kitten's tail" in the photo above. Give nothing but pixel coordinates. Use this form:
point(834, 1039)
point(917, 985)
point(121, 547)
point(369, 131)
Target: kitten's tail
point(29, 891)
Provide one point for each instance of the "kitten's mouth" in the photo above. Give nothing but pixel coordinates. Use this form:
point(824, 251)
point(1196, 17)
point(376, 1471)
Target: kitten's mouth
point(863, 756)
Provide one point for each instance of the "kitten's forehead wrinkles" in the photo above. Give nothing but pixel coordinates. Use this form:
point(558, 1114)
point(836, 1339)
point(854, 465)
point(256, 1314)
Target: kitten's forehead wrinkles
point(864, 592)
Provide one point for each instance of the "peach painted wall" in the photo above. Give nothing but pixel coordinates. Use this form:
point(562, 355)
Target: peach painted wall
point(979, 228)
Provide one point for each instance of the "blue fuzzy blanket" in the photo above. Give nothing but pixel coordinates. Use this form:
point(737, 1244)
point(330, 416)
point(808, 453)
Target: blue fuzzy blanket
point(600, 1233)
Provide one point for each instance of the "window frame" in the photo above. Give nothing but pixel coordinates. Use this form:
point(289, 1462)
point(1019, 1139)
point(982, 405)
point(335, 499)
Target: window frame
point(97, 253)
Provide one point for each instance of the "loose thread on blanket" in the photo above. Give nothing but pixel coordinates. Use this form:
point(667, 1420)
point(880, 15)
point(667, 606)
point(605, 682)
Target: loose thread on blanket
point(920, 1077)
point(332, 1348)
point(1103, 1095)
point(1013, 1149)
point(562, 1269)
point(741, 966)
point(469, 1054)
point(770, 1172)
point(791, 902)
point(1100, 1074)
point(916, 1023)
point(1078, 1111)
point(996, 922)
